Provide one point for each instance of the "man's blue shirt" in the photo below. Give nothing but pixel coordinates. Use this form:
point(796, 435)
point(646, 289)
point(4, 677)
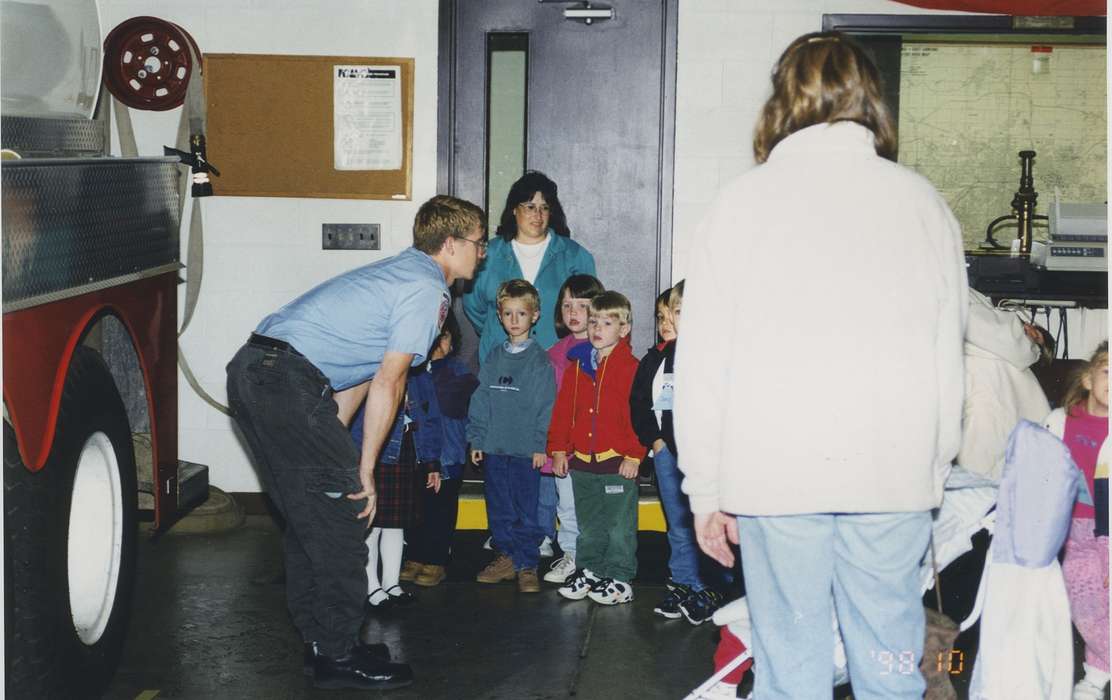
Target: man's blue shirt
point(344, 326)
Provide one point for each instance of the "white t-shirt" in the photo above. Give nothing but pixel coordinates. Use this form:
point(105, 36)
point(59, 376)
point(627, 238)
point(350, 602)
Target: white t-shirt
point(529, 257)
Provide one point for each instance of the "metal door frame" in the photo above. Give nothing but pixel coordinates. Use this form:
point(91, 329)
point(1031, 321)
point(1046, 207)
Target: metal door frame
point(446, 136)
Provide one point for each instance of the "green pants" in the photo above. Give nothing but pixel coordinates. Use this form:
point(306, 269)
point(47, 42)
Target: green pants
point(606, 509)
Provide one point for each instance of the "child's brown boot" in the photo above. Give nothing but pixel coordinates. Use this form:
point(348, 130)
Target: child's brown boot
point(410, 569)
point(430, 575)
point(501, 569)
point(527, 581)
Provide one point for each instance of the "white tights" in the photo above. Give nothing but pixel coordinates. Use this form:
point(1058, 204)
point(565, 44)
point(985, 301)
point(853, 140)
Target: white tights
point(385, 543)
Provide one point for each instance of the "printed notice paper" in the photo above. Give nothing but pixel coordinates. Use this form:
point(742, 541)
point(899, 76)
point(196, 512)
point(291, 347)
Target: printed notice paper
point(367, 117)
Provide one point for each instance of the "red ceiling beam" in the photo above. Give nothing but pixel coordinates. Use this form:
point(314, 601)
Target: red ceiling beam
point(1044, 8)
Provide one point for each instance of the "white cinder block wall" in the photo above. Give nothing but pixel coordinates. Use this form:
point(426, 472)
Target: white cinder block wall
point(260, 252)
point(726, 52)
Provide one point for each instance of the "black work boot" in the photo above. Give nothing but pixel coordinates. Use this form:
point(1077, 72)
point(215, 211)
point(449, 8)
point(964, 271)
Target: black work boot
point(378, 650)
point(359, 668)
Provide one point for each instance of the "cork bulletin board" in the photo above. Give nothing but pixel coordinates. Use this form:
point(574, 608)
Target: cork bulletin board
point(272, 123)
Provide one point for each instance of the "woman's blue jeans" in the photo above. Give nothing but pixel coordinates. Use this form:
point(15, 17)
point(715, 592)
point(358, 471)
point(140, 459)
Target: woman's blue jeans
point(797, 567)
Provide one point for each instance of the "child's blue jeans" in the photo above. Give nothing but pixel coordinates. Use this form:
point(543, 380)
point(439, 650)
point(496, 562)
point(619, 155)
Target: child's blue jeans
point(546, 506)
point(511, 486)
point(557, 501)
point(683, 562)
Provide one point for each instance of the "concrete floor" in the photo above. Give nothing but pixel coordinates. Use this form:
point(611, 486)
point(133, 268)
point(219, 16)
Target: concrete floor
point(210, 622)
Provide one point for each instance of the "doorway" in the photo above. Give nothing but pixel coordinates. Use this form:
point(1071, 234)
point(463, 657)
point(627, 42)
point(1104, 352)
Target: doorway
point(523, 87)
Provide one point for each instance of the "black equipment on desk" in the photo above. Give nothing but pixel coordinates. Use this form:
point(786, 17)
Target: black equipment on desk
point(1001, 275)
point(1023, 209)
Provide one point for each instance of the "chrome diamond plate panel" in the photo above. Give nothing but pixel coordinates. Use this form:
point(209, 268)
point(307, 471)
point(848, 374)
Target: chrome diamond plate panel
point(38, 137)
point(74, 225)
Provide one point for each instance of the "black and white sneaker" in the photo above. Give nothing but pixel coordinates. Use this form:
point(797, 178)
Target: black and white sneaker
point(700, 606)
point(670, 606)
point(578, 585)
point(608, 591)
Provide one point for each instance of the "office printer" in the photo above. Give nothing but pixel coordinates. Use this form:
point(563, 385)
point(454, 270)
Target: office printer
point(1078, 238)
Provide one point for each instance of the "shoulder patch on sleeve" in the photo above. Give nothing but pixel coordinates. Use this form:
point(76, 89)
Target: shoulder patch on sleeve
point(445, 303)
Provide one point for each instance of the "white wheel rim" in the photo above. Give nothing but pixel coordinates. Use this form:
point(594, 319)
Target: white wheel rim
point(95, 542)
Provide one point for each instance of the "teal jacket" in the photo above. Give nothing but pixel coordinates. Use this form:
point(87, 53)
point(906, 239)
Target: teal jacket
point(563, 258)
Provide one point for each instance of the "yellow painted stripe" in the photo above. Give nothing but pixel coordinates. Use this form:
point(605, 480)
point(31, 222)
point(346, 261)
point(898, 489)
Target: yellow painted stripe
point(147, 695)
point(650, 516)
point(472, 514)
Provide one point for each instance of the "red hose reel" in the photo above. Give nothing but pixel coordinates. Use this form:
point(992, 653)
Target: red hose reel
point(148, 62)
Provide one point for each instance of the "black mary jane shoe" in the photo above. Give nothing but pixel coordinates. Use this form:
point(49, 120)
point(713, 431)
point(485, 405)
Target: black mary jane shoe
point(359, 669)
point(400, 597)
point(382, 606)
point(377, 650)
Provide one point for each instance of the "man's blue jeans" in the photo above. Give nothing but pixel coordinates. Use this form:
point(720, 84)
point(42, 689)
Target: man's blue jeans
point(511, 486)
point(866, 565)
point(683, 562)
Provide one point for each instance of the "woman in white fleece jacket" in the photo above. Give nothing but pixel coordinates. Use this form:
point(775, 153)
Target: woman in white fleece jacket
point(833, 281)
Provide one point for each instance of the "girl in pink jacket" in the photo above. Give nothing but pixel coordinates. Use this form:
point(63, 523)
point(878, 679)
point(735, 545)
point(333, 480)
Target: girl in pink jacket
point(556, 499)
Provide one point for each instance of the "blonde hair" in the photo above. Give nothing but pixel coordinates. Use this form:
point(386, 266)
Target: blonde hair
point(442, 217)
point(675, 296)
point(613, 304)
point(518, 289)
point(1076, 393)
point(824, 77)
point(662, 304)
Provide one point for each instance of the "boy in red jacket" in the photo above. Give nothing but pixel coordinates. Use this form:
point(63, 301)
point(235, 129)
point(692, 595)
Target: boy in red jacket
point(592, 436)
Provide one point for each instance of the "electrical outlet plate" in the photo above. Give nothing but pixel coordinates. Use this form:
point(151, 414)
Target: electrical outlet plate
point(349, 237)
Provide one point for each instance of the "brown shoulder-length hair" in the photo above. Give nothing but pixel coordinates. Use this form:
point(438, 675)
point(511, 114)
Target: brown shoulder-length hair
point(574, 287)
point(824, 77)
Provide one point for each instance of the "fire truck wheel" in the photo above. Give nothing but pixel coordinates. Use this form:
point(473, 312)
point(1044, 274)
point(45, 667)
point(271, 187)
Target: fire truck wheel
point(69, 538)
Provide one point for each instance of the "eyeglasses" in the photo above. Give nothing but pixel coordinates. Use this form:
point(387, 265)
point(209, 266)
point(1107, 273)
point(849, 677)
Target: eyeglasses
point(481, 244)
point(535, 208)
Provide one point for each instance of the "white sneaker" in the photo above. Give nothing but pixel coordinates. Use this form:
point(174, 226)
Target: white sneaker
point(1087, 690)
point(561, 569)
point(546, 548)
point(489, 544)
point(578, 585)
point(608, 591)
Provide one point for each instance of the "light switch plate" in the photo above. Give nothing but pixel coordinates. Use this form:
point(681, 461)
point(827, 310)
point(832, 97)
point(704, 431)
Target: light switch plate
point(349, 237)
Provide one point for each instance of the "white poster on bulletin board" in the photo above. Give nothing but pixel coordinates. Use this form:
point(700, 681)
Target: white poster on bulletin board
point(367, 117)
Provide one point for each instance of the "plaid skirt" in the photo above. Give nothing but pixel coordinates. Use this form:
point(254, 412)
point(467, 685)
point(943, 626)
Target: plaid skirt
point(400, 488)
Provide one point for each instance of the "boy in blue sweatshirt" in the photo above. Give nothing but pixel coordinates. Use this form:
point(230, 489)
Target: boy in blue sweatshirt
point(508, 429)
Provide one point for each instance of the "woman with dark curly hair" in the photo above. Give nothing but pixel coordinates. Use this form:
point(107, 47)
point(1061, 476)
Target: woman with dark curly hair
point(533, 243)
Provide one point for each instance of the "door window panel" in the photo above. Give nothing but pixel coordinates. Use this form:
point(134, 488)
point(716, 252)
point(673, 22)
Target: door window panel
point(507, 71)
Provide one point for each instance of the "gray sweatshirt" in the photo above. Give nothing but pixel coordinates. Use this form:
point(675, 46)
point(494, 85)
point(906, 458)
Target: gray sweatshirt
point(510, 410)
